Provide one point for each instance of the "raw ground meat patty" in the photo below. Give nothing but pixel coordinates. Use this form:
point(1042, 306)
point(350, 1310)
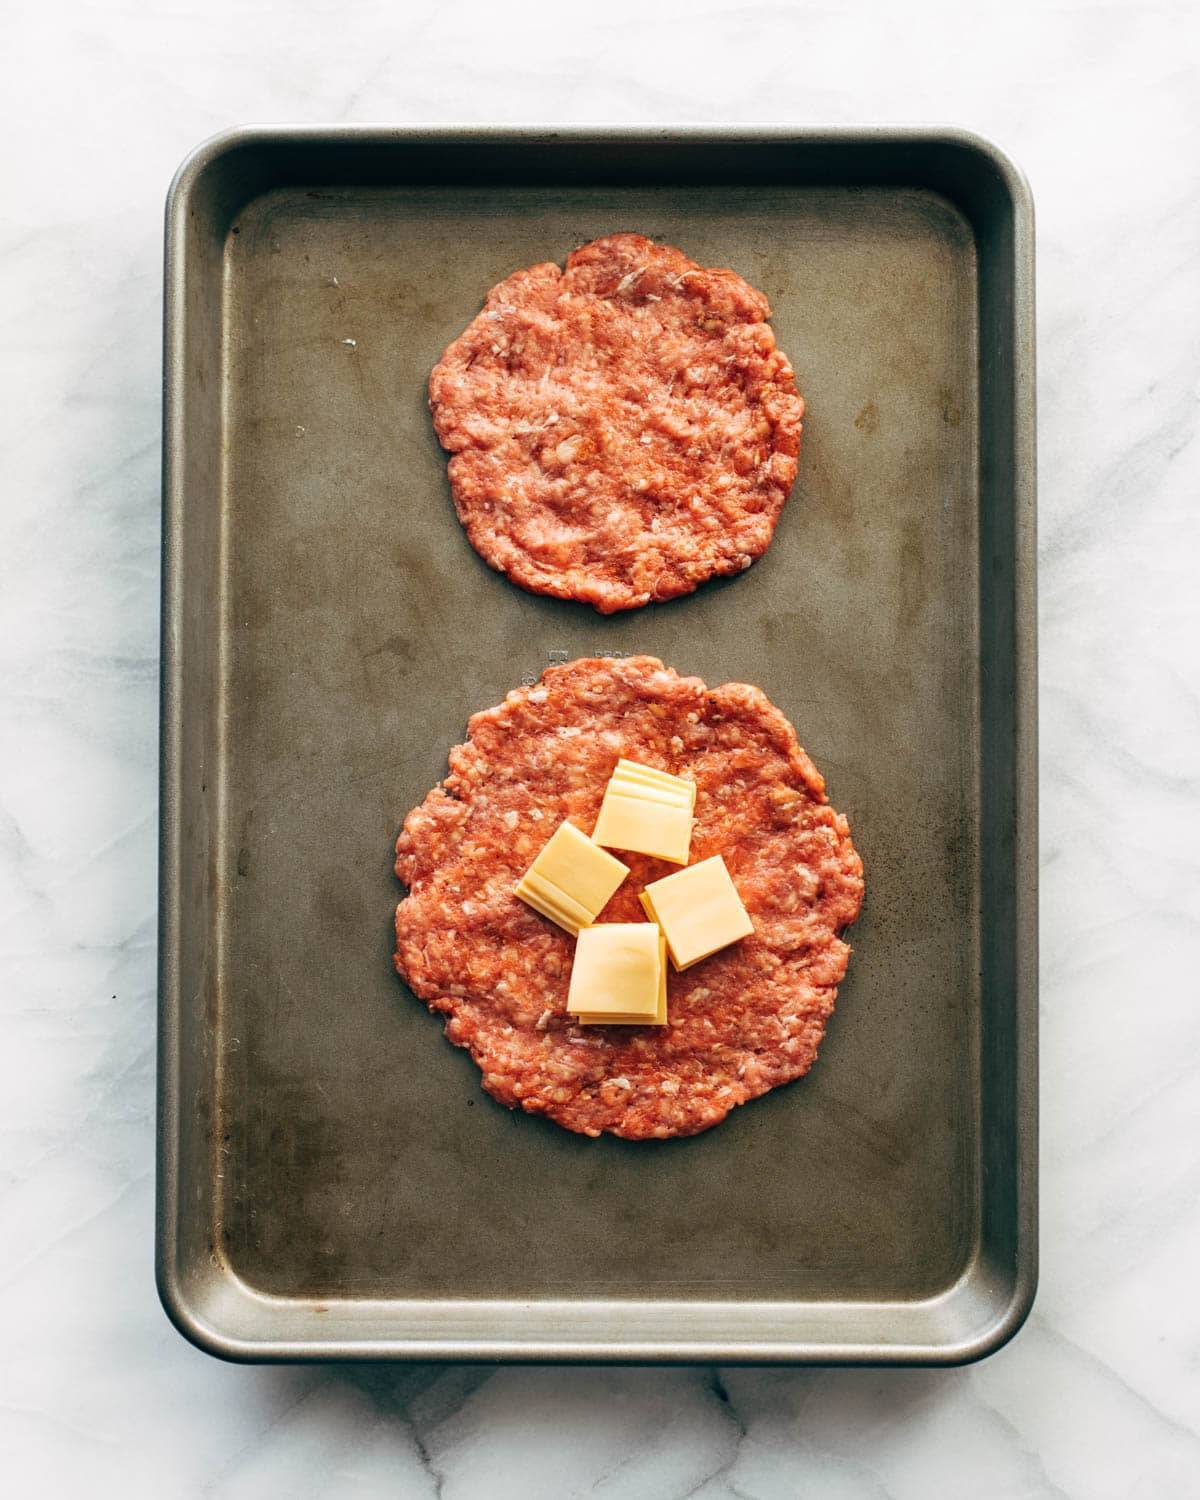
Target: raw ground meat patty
point(621, 430)
point(742, 1022)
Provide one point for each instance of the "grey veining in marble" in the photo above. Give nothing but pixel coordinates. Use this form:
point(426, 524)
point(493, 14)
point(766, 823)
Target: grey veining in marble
point(1100, 1395)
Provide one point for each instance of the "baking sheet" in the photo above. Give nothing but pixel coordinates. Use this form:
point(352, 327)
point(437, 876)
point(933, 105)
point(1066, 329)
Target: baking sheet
point(333, 1182)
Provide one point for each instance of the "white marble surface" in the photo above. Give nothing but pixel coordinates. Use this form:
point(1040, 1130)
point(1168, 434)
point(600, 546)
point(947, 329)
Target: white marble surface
point(1100, 1395)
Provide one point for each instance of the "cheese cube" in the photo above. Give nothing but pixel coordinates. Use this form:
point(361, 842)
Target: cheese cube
point(571, 880)
point(648, 811)
point(594, 1018)
point(650, 791)
point(571, 861)
point(635, 822)
point(637, 768)
point(650, 776)
point(619, 975)
point(698, 909)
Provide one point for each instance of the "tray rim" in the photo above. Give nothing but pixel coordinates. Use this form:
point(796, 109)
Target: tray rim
point(180, 1306)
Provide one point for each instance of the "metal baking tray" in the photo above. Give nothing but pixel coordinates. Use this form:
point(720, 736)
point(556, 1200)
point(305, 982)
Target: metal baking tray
point(333, 1183)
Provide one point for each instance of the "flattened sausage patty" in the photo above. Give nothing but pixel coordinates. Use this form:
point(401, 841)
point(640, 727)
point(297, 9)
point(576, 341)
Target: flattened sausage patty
point(622, 430)
point(740, 1023)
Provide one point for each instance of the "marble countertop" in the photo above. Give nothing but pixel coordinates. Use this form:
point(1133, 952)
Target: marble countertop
point(1099, 1395)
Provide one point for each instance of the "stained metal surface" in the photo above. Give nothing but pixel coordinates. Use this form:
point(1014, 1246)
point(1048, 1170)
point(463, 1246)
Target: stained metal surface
point(332, 1181)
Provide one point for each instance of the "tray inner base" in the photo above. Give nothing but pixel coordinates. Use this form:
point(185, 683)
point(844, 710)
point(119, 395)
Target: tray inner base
point(354, 1153)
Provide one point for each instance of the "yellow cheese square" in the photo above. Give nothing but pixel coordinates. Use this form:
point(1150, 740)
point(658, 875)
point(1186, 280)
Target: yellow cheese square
point(571, 880)
point(699, 910)
point(618, 973)
point(631, 822)
point(651, 791)
point(660, 1019)
point(629, 772)
point(571, 861)
point(552, 902)
point(639, 768)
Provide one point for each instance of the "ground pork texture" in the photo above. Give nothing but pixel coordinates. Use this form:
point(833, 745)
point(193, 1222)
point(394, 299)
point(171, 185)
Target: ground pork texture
point(621, 430)
point(741, 1022)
